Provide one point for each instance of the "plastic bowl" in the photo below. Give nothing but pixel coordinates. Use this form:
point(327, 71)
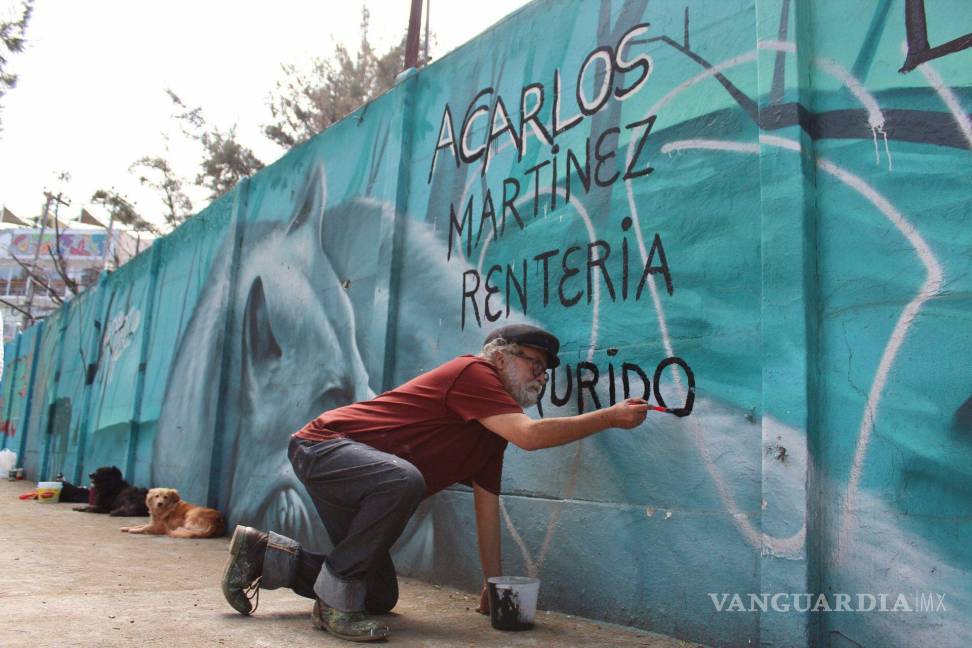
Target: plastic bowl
point(48, 492)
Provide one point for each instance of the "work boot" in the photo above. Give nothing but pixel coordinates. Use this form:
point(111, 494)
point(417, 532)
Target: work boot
point(241, 578)
point(353, 626)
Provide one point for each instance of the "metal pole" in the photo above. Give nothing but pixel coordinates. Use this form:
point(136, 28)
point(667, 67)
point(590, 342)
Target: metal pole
point(108, 241)
point(28, 321)
point(412, 41)
point(428, 19)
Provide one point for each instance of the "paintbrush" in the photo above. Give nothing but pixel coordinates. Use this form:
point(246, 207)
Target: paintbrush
point(667, 410)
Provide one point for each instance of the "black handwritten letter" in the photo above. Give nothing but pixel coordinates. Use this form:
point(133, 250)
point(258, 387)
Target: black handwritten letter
point(641, 62)
point(602, 158)
point(457, 227)
point(544, 257)
point(531, 117)
point(590, 385)
point(630, 173)
point(568, 273)
point(603, 77)
point(662, 269)
point(447, 139)
point(490, 291)
point(469, 293)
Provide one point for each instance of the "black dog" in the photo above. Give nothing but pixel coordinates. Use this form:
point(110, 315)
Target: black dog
point(114, 495)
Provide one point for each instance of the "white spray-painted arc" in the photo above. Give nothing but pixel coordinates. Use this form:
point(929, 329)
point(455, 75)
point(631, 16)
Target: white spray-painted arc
point(948, 97)
point(930, 288)
point(533, 567)
point(757, 539)
point(875, 117)
point(781, 46)
point(782, 546)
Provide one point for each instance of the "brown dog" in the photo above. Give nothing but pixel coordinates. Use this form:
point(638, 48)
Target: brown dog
point(173, 517)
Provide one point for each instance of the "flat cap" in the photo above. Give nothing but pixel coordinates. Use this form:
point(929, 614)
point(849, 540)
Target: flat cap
point(529, 336)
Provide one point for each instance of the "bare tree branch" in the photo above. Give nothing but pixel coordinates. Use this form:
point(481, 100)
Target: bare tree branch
point(38, 280)
point(17, 308)
point(59, 262)
point(71, 284)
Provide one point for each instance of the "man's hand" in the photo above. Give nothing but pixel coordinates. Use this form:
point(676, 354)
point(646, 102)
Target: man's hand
point(628, 413)
point(534, 434)
point(488, 532)
point(484, 601)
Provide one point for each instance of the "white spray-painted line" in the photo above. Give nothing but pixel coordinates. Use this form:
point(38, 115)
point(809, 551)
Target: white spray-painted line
point(712, 145)
point(875, 118)
point(757, 539)
point(780, 142)
point(701, 76)
point(754, 537)
point(531, 567)
point(938, 84)
point(777, 45)
point(929, 289)
point(558, 507)
point(665, 100)
point(595, 319)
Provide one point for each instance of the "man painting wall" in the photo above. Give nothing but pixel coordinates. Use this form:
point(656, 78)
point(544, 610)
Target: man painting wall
point(368, 465)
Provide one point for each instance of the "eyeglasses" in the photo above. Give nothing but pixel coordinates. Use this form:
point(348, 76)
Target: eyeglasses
point(539, 367)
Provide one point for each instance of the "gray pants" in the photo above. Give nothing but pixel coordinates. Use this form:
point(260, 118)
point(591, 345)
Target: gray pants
point(365, 498)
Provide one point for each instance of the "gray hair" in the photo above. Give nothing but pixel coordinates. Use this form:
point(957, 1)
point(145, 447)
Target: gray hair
point(495, 347)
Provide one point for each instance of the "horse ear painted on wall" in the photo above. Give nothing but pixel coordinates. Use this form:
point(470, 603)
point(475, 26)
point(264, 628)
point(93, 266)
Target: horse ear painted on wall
point(310, 200)
point(741, 210)
point(259, 344)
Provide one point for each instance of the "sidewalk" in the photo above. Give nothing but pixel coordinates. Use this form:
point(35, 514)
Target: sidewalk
point(72, 579)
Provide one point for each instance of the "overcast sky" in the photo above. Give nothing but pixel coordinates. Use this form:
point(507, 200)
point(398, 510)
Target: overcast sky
point(90, 98)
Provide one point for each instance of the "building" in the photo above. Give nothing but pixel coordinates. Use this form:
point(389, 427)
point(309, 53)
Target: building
point(87, 248)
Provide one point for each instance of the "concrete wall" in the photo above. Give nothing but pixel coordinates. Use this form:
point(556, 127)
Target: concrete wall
point(775, 192)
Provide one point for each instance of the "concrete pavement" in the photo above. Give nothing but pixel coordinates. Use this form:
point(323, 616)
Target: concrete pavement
point(72, 579)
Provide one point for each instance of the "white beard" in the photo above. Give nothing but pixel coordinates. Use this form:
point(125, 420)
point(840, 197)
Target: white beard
point(526, 394)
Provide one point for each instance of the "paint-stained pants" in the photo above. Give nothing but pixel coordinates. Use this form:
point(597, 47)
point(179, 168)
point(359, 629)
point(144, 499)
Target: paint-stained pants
point(365, 498)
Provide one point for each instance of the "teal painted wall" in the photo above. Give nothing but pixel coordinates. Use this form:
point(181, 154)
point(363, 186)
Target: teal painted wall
point(776, 192)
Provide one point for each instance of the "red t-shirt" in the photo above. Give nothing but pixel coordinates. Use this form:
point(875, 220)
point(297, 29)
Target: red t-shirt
point(432, 422)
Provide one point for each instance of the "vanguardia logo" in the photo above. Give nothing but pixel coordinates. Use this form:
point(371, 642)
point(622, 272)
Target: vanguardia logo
point(839, 602)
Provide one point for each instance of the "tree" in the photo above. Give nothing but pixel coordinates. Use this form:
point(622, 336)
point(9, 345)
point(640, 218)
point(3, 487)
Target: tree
point(306, 102)
point(120, 211)
point(156, 172)
point(225, 161)
point(38, 277)
point(12, 31)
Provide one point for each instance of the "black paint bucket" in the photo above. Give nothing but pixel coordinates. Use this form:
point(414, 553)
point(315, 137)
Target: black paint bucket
point(512, 602)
